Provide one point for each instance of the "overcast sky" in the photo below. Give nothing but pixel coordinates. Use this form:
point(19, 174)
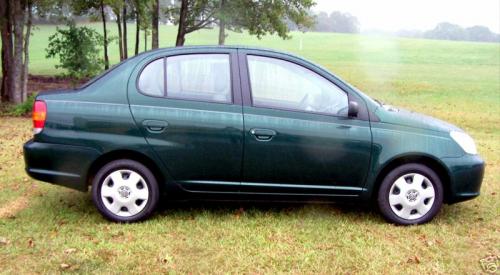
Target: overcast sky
point(393, 15)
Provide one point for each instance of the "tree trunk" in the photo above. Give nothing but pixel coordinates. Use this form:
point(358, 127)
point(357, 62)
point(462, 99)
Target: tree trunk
point(18, 9)
point(103, 15)
point(181, 32)
point(137, 31)
point(145, 40)
point(125, 39)
point(120, 36)
point(222, 32)
point(155, 18)
point(25, 72)
point(7, 54)
point(222, 25)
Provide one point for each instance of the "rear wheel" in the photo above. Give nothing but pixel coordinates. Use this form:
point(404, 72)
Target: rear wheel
point(125, 191)
point(410, 194)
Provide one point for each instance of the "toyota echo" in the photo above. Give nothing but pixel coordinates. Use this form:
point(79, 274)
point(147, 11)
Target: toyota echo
point(241, 123)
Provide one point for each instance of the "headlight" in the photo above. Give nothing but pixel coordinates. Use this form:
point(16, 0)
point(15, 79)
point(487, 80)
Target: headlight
point(465, 141)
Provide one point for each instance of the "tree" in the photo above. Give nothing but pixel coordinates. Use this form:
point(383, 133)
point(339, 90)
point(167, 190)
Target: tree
point(105, 31)
point(480, 33)
point(336, 22)
point(77, 49)
point(224, 16)
point(16, 23)
point(191, 15)
point(124, 36)
point(155, 19)
point(322, 22)
point(137, 24)
point(91, 6)
point(446, 31)
point(258, 17)
point(25, 72)
point(263, 17)
point(272, 16)
point(7, 51)
point(117, 8)
point(141, 14)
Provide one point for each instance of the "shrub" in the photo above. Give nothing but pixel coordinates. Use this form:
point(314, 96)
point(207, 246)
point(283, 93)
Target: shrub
point(78, 51)
point(22, 109)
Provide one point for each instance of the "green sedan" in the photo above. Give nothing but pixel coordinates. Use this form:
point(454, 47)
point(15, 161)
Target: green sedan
point(239, 123)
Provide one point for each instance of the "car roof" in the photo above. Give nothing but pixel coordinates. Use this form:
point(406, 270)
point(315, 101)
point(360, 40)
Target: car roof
point(211, 47)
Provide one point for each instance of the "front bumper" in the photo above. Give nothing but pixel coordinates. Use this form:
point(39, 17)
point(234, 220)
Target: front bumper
point(466, 175)
point(65, 165)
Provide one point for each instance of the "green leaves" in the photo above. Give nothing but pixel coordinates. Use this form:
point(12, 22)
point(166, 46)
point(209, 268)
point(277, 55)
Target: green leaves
point(269, 16)
point(77, 49)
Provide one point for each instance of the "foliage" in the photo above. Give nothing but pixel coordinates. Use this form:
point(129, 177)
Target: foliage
point(266, 16)
point(481, 33)
point(21, 109)
point(18, 110)
point(191, 15)
point(336, 22)
point(449, 31)
point(78, 51)
point(257, 17)
point(143, 8)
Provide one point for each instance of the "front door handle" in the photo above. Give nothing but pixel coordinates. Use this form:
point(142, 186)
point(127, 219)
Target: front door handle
point(263, 134)
point(155, 126)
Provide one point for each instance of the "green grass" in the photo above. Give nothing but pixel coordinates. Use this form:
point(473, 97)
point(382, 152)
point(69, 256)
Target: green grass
point(46, 226)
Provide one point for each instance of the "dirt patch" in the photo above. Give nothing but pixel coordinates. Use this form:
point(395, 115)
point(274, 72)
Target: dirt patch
point(37, 83)
point(12, 208)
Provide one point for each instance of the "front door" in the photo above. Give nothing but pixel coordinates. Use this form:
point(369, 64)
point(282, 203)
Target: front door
point(298, 137)
point(188, 107)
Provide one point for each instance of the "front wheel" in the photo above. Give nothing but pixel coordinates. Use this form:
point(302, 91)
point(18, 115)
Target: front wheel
point(125, 191)
point(410, 194)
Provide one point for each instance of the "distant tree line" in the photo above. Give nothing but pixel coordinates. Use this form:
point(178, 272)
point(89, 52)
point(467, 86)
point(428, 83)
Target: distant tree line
point(336, 22)
point(449, 31)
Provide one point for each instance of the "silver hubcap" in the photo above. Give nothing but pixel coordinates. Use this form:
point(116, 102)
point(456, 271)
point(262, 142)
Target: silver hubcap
point(124, 193)
point(411, 196)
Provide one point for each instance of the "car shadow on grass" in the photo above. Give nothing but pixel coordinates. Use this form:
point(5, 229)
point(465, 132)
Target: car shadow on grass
point(193, 208)
point(75, 204)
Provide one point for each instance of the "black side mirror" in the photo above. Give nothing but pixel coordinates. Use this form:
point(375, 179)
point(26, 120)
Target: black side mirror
point(353, 109)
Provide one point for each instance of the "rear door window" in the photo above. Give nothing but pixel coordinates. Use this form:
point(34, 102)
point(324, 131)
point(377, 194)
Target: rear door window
point(204, 77)
point(199, 77)
point(151, 81)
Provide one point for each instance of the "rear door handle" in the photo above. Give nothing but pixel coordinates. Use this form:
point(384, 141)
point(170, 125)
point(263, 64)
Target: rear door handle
point(263, 134)
point(155, 126)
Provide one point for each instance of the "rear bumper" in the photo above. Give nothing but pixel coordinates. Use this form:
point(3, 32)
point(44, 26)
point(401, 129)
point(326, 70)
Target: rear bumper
point(466, 176)
point(64, 165)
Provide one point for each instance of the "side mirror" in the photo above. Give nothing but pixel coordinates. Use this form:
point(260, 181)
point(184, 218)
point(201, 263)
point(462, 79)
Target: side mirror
point(353, 109)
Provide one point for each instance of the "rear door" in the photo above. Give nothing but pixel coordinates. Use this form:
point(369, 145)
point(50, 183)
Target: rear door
point(188, 106)
point(298, 137)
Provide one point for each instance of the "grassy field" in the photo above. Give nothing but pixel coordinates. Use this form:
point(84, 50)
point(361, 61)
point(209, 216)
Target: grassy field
point(48, 229)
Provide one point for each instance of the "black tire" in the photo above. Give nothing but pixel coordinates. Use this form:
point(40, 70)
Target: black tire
point(148, 178)
point(385, 189)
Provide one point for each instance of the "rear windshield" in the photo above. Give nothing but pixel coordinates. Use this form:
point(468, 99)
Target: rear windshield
point(95, 78)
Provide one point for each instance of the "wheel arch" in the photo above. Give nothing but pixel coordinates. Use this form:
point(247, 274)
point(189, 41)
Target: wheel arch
point(126, 154)
point(435, 164)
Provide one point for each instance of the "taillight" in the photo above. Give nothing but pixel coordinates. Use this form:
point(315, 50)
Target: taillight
point(39, 116)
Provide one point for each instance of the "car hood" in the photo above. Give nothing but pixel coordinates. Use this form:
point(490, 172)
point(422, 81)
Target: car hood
point(394, 115)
